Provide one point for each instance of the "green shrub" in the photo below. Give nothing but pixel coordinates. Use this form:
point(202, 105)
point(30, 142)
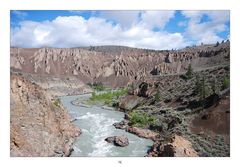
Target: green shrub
point(189, 72)
point(56, 102)
point(141, 119)
point(93, 94)
point(97, 86)
point(198, 85)
point(157, 96)
point(214, 85)
point(201, 88)
point(107, 98)
point(226, 82)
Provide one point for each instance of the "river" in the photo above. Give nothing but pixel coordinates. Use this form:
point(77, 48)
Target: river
point(96, 124)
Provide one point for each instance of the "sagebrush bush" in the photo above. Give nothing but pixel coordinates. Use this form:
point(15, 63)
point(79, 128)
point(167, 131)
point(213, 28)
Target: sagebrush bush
point(97, 86)
point(189, 72)
point(56, 102)
point(141, 119)
point(226, 82)
point(157, 96)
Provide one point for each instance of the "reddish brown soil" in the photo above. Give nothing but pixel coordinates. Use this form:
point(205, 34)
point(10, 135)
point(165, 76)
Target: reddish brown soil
point(214, 121)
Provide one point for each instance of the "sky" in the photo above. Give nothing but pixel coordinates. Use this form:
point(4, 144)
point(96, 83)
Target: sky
point(162, 29)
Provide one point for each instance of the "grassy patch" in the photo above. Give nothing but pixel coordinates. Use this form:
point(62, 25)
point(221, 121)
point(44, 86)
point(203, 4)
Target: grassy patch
point(56, 102)
point(108, 97)
point(141, 119)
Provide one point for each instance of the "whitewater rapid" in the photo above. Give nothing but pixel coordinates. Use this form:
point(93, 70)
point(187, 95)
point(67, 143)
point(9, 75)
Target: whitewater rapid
point(96, 124)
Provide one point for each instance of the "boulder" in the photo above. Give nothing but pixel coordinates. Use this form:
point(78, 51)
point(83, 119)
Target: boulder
point(130, 102)
point(126, 116)
point(121, 141)
point(121, 125)
point(110, 139)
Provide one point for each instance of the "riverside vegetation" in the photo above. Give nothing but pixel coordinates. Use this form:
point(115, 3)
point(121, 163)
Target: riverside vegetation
point(180, 99)
point(109, 97)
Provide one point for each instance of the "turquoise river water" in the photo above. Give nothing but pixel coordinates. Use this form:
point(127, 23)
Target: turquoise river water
point(96, 124)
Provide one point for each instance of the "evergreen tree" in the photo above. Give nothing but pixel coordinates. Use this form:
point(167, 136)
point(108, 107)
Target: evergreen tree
point(189, 72)
point(198, 85)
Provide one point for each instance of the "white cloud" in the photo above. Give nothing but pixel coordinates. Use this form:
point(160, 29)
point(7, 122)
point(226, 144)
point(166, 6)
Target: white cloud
point(125, 19)
point(206, 32)
point(148, 19)
point(75, 31)
point(130, 28)
point(159, 19)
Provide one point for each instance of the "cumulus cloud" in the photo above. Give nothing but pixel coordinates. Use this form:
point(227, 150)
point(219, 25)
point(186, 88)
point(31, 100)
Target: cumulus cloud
point(126, 19)
point(153, 19)
point(128, 28)
point(75, 31)
point(206, 32)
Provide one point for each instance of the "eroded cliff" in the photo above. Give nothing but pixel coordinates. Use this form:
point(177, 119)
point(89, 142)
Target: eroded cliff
point(115, 65)
point(39, 125)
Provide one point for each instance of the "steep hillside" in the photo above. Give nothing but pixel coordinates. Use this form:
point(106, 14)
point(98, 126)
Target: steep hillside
point(196, 108)
point(115, 65)
point(40, 126)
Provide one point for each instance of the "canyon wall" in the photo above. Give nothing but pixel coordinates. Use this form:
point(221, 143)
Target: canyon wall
point(40, 126)
point(116, 65)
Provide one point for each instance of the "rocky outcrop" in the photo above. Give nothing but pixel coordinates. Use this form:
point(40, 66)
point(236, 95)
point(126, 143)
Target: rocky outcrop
point(174, 89)
point(58, 85)
point(143, 88)
point(130, 102)
point(121, 125)
point(115, 65)
point(110, 139)
point(39, 126)
point(169, 58)
point(179, 108)
point(177, 147)
point(144, 133)
point(121, 141)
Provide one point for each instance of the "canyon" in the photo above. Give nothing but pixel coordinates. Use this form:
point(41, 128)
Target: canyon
point(184, 90)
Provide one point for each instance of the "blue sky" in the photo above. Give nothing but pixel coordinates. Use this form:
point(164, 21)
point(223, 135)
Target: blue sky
point(142, 29)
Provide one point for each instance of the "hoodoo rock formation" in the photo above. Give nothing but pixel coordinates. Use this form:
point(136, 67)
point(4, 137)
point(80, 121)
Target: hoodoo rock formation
point(115, 65)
